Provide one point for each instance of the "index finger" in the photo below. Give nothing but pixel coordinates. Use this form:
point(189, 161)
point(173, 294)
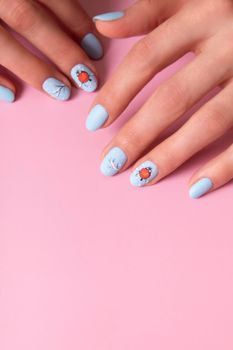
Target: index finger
point(150, 55)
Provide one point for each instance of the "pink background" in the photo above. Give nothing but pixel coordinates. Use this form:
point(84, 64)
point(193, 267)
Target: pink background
point(91, 263)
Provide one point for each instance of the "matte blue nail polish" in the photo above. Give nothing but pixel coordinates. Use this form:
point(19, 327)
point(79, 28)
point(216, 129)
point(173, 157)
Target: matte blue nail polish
point(6, 94)
point(144, 174)
point(110, 16)
point(56, 89)
point(96, 118)
point(84, 77)
point(113, 162)
point(92, 46)
point(200, 188)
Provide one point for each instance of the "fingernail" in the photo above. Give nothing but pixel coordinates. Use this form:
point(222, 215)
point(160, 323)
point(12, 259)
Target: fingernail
point(113, 162)
point(110, 16)
point(92, 46)
point(6, 94)
point(144, 174)
point(56, 89)
point(84, 77)
point(200, 188)
point(96, 118)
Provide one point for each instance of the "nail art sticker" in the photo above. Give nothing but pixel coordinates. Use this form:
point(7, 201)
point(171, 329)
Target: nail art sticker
point(113, 162)
point(56, 89)
point(144, 174)
point(84, 77)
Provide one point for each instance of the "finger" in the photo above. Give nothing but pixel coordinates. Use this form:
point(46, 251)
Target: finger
point(171, 100)
point(34, 22)
point(213, 175)
point(31, 69)
point(119, 24)
point(153, 53)
point(206, 126)
point(138, 19)
point(72, 15)
point(7, 90)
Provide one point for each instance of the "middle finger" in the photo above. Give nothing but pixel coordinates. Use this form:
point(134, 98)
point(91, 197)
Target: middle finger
point(169, 102)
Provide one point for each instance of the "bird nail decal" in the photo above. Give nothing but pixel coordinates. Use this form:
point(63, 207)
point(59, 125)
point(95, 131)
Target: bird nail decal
point(144, 174)
point(56, 89)
point(84, 78)
point(113, 162)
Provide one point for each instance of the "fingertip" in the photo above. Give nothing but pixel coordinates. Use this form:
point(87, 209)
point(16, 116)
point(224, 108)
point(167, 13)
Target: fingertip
point(7, 90)
point(92, 46)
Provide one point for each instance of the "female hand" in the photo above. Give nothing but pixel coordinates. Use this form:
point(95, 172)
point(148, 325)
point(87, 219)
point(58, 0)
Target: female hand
point(63, 32)
point(174, 28)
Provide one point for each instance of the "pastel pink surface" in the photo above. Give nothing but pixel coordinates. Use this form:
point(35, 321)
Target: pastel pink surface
point(92, 263)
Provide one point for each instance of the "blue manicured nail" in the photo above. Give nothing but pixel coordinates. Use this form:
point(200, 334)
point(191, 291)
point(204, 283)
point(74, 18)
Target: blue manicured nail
point(96, 118)
point(110, 16)
point(200, 188)
point(92, 46)
point(6, 94)
point(84, 77)
point(113, 162)
point(56, 89)
point(144, 174)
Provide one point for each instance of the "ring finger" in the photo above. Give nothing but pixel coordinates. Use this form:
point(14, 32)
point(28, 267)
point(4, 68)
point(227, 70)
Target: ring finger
point(207, 125)
point(31, 69)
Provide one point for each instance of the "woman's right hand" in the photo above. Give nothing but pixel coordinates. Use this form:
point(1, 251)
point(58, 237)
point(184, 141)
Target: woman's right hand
point(63, 32)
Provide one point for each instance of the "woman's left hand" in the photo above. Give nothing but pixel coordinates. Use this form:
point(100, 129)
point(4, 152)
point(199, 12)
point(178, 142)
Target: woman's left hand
point(174, 28)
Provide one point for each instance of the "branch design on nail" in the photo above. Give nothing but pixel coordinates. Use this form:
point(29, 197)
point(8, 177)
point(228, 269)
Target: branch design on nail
point(113, 164)
point(60, 88)
point(56, 89)
point(113, 161)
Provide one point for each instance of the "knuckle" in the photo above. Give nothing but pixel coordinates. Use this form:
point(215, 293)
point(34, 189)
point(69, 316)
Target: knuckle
point(143, 49)
point(22, 16)
point(216, 119)
point(173, 97)
point(131, 140)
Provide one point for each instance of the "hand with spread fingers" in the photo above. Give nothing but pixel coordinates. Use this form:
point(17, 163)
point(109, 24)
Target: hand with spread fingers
point(172, 29)
point(63, 32)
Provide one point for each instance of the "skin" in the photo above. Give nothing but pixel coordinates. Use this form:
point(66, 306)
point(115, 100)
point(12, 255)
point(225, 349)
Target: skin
point(63, 23)
point(173, 28)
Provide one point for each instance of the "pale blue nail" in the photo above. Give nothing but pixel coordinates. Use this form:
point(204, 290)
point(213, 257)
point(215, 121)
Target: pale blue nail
point(200, 188)
point(92, 46)
point(110, 16)
point(6, 94)
point(144, 174)
point(84, 77)
point(113, 162)
point(56, 89)
point(96, 118)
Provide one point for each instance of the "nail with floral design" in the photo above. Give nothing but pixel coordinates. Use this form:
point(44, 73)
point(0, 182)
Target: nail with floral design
point(144, 174)
point(84, 77)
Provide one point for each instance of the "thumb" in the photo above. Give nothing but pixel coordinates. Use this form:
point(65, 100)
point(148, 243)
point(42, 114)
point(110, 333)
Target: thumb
point(139, 19)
